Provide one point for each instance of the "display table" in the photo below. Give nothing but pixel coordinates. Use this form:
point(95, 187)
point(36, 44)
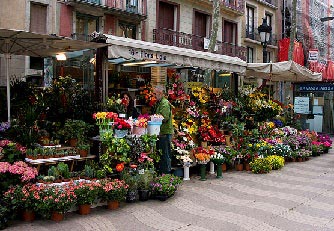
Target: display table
point(72, 160)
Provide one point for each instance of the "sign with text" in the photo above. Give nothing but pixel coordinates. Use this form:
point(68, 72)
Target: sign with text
point(316, 87)
point(302, 105)
point(194, 84)
point(313, 55)
point(147, 54)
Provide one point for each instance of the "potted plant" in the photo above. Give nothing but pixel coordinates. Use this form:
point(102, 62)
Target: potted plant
point(131, 179)
point(88, 172)
point(164, 186)
point(113, 191)
point(63, 171)
point(144, 181)
point(83, 150)
point(218, 159)
point(57, 201)
point(75, 131)
point(86, 193)
point(260, 165)
point(121, 127)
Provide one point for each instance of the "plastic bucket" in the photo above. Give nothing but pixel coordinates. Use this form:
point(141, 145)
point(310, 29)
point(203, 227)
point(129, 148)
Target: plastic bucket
point(153, 128)
point(138, 131)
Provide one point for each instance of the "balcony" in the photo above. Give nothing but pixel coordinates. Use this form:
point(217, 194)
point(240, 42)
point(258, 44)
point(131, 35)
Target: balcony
point(195, 42)
point(235, 5)
point(269, 2)
point(123, 8)
point(254, 35)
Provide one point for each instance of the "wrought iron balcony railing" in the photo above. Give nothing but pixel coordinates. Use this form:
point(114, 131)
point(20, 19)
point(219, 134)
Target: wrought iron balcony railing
point(195, 42)
point(237, 5)
point(130, 6)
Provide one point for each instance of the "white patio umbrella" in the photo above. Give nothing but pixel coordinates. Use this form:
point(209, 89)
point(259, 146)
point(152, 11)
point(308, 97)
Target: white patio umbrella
point(18, 42)
point(288, 71)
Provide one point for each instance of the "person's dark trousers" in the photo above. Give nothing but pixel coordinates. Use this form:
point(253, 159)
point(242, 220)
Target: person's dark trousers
point(164, 145)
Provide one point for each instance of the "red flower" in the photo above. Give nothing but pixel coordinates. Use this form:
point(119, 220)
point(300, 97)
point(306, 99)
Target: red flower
point(120, 167)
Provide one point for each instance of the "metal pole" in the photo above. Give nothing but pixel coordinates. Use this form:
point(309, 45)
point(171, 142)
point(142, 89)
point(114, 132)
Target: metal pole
point(265, 52)
point(8, 85)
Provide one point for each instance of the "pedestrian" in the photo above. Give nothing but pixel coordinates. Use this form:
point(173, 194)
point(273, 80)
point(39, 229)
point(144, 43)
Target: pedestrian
point(130, 109)
point(164, 108)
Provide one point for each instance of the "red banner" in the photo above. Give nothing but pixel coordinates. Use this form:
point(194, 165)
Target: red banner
point(283, 54)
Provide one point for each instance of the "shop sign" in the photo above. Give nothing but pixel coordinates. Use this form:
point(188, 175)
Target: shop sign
point(316, 87)
point(147, 54)
point(313, 55)
point(302, 105)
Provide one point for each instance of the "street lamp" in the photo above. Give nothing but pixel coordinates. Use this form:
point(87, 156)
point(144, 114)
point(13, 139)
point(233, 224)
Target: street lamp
point(265, 32)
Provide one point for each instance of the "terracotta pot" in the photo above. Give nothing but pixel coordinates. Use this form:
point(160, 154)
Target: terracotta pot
point(73, 142)
point(247, 167)
point(84, 209)
point(83, 153)
point(239, 167)
point(112, 205)
point(299, 159)
point(28, 215)
point(56, 216)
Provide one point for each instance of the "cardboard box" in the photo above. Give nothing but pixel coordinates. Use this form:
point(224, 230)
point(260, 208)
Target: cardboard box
point(318, 101)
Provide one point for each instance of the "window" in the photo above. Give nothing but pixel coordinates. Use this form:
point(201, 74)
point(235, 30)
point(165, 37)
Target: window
point(86, 25)
point(127, 30)
point(230, 32)
point(132, 6)
point(38, 18)
point(250, 22)
point(166, 16)
point(269, 23)
point(250, 55)
point(200, 26)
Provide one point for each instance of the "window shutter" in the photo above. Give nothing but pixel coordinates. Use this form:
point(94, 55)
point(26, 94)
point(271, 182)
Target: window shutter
point(38, 18)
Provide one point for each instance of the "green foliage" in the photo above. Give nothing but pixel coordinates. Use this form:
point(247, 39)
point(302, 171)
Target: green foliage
point(277, 162)
point(165, 184)
point(89, 171)
point(261, 165)
point(53, 171)
point(145, 179)
point(63, 170)
point(131, 179)
point(76, 129)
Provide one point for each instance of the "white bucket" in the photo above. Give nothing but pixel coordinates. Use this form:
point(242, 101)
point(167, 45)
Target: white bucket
point(153, 128)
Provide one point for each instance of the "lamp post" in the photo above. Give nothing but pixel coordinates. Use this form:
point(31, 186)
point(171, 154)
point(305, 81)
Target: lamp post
point(265, 32)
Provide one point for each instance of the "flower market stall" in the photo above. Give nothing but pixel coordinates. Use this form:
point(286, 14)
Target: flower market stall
point(213, 132)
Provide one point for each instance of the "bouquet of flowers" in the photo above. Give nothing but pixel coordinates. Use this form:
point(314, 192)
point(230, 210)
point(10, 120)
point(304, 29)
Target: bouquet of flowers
point(217, 158)
point(165, 184)
point(116, 104)
point(121, 124)
point(184, 156)
point(104, 119)
point(147, 96)
point(145, 161)
point(141, 121)
point(156, 118)
point(203, 155)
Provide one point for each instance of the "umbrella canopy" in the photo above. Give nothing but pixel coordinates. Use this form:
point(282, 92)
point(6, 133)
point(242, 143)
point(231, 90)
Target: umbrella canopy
point(18, 42)
point(288, 71)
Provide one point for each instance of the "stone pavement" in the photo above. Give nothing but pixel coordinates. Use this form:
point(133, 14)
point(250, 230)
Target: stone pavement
point(298, 197)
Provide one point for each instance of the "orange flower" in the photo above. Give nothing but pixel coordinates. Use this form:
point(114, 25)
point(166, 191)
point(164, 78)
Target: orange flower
point(120, 167)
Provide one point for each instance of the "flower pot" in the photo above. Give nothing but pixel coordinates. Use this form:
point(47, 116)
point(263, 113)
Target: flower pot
point(83, 153)
point(57, 216)
point(112, 205)
point(138, 131)
point(131, 196)
point(28, 215)
point(219, 171)
point(239, 167)
point(73, 142)
point(161, 197)
point(153, 128)
point(299, 159)
point(84, 209)
point(203, 172)
point(120, 133)
point(247, 167)
point(143, 195)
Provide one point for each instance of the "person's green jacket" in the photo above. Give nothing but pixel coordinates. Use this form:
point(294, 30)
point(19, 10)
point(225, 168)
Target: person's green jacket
point(164, 108)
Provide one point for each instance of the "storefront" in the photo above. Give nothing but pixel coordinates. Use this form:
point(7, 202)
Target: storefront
point(315, 101)
point(140, 59)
